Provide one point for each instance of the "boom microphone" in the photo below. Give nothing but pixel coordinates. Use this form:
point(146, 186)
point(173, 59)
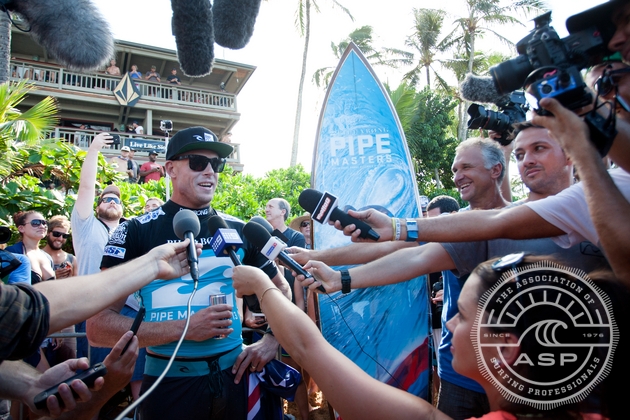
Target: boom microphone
point(226, 240)
point(272, 248)
point(482, 89)
point(186, 225)
point(323, 207)
point(193, 36)
point(234, 22)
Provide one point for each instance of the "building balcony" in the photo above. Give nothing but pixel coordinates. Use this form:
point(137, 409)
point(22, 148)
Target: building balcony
point(142, 144)
point(53, 77)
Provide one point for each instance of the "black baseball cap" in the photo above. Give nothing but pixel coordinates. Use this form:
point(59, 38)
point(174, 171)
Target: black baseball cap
point(195, 138)
point(153, 152)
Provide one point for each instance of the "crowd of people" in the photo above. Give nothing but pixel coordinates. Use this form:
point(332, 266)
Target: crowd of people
point(121, 265)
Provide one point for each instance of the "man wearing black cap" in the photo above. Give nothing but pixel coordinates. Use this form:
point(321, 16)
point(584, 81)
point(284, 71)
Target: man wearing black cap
point(151, 170)
point(205, 381)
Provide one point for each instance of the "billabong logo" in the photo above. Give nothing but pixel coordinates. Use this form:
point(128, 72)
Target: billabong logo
point(544, 335)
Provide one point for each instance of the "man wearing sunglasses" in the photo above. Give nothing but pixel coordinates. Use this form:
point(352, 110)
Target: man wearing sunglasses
point(64, 264)
point(208, 368)
point(91, 230)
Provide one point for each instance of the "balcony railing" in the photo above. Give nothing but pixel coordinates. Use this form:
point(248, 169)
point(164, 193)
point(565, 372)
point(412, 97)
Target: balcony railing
point(83, 138)
point(102, 84)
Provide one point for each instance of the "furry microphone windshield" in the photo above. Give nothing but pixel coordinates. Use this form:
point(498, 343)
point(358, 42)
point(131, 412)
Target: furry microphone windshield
point(73, 31)
point(192, 27)
point(234, 22)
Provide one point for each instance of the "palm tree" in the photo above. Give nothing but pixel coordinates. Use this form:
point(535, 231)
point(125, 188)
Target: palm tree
point(303, 24)
point(482, 13)
point(18, 129)
point(363, 38)
point(425, 40)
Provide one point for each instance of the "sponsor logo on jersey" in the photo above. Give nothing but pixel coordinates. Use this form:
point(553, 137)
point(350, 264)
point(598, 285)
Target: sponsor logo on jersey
point(152, 215)
point(119, 236)
point(115, 251)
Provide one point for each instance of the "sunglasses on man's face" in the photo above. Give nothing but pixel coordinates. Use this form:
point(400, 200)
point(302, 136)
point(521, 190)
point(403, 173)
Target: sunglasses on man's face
point(199, 163)
point(610, 80)
point(37, 222)
point(60, 234)
point(110, 199)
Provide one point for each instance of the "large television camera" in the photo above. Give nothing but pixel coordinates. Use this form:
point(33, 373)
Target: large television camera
point(548, 66)
point(512, 112)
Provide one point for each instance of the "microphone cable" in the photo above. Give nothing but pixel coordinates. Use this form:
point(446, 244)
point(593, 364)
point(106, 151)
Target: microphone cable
point(170, 361)
point(333, 300)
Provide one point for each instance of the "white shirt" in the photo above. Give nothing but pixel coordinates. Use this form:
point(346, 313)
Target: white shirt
point(568, 211)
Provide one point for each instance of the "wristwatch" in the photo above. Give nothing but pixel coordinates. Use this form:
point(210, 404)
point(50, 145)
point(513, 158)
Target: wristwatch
point(345, 281)
point(412, 230)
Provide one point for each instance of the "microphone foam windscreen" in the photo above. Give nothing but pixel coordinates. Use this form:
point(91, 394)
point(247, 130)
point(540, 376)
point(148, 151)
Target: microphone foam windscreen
point(482, 89)
point(234, 22)
point(309, 199)
point(262, 222)
point(256, 234)
point(73, 31)
point(194, 36)
point(186, 221)
point(215, 223)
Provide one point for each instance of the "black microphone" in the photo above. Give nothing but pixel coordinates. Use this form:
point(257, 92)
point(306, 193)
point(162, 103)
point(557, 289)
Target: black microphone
point(194, 36)
point(263, 222)
point(234, 22)
point(323, 207)
point(272, 247)
point(186, 225)
point(482, 89)
point(226, 240)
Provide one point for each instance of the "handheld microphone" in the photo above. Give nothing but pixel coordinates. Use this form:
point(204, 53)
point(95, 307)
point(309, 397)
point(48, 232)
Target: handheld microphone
point(226, 240)
point(186, 225)
point(323, 207)
point(262, 222)
point(482, 89)
point(272, 248)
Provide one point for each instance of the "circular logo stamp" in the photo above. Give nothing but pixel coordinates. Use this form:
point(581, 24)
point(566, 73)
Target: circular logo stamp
point(544, 334)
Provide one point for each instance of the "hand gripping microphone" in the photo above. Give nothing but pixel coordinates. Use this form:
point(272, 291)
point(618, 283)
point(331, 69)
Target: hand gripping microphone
point(225, 240)
point(272, 248)
point(186, 225)
point(323, 207)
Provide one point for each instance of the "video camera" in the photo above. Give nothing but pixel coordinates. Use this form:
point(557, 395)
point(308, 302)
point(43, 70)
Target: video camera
point(514, 111)
point(548, 66)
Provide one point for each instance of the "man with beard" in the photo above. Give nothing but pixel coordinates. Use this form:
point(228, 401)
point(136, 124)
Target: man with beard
point(64, 264)
point(91, 232)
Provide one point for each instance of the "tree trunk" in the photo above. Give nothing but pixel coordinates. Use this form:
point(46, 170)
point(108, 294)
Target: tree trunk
point(5, 47)
point(437, 179)
point(298, 110)
point(428, 77)
point(462, 126)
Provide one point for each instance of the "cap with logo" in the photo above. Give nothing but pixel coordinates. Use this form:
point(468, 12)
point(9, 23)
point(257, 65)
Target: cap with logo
point(195, 138)
point(125, 149)
point(153, 152)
